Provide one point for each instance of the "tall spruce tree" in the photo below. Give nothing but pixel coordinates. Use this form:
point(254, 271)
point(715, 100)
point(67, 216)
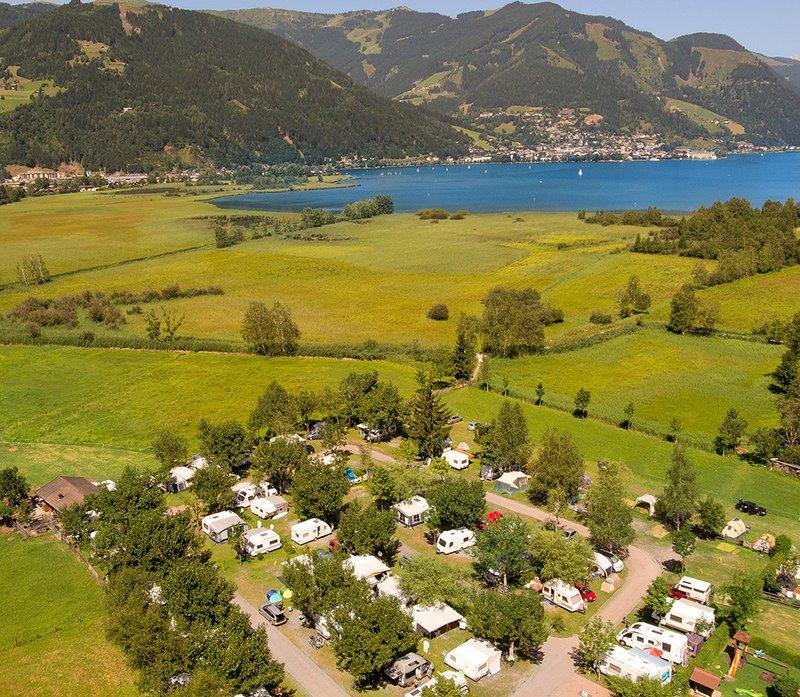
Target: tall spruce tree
point(678, 502)
point(428, 422)
point(466, 346)
point(609, 518)
point(507, 446)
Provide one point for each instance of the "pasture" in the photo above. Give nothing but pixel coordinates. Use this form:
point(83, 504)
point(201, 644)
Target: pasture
point(120, 398)
point(647, 458)
point(52, 639)
point(695, 379)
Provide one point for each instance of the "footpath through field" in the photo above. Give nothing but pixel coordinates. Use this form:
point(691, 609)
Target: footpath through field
point(314, 681)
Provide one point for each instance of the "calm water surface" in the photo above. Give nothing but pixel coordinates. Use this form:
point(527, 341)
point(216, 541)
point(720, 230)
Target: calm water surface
point(672, 185)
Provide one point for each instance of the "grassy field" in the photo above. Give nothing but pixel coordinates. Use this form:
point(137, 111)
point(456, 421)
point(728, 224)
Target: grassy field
point(647, 458)
point(120, 398)
point(52, 639)
point(378, 275)
point(662, 374)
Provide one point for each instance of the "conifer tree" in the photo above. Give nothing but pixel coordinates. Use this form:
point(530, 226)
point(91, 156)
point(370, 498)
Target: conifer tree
point(428, 423)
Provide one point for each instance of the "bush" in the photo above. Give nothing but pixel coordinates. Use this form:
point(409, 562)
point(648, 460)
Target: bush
point(459, 215)
point(713, 646)
point(776, 652)
point(433, 214)
point(600, 318)
point(439, 312)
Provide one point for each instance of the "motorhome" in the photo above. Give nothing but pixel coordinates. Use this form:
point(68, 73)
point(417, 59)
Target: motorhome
point(693, 589)
point(674, 647)
point(310, 530)
point(451, 541)
point(563, 595)
point(689, 616)
point(260, 541)
point(634, 664)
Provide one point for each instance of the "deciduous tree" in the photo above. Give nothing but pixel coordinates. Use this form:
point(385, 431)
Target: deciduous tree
point(212, 485)
point(170, 449)
point(319, 492)
point(429, 579)
point(500, 548)
point(730, 432)
point(609, 518)
point(595, 639)
point(278, 461)
point(456, 503)
point(683, 544)
point(677, 503)
point(712, 517)
point(511, 621)
point(366, 530)
point(270, 331)
point(222, 444)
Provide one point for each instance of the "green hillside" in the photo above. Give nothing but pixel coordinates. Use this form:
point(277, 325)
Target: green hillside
point(543, 55)
point(140, 85)
point(13, 14)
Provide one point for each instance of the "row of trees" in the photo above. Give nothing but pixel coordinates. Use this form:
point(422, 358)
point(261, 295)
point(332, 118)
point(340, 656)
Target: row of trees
point(169, 609)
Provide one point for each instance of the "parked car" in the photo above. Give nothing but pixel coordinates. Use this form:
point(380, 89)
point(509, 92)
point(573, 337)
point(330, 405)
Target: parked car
point(750, 508)
point(272, 614)
point(473, 425)
point(616, 563)
point(586, 593)
point(454, 419)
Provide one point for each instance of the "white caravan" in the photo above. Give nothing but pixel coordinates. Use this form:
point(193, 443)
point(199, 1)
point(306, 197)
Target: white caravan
point(564, 595)
point(260, 541)
point(674, 646)
point(694, 589)
point(310, 530)
point(451, 541)
point(634, 664)
point(686, 615)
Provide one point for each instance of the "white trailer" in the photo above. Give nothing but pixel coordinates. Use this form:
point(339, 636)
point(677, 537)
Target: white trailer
point(451, 541)
point(674, 646)
point(310, 530)
point(260, 541)
point(634, 664)
point(563, 595)
point(689, 616)
point(694, 589)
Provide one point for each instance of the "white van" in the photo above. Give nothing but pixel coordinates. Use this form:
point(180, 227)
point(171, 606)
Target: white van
point(310, 530)
point(674, 646)
point(455, 540)
point(693, 589)
point(604, 566)
point(685, 615)
point(260, 541)
point(564, 595)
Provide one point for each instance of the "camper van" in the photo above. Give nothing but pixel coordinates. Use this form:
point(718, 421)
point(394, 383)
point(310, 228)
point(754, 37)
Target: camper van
point(634, 664)
point(674, 647)
point(310, 530)
point(260, 541)
point(564, 595)
point(692, 589)
point(455, 540)
point(685, 615)
point(245, 495)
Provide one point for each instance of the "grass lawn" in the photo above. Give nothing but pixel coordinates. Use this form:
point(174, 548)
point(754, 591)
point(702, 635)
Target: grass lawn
point(122, 397)
point(748, 677)
point(647, 458)
point(52, 640)
point(662, 374)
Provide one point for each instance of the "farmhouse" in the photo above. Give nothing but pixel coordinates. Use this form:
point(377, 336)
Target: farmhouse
point(413, 511)
point(433, 620)
point(63, 492)
point(475, 658)
point(218, 525)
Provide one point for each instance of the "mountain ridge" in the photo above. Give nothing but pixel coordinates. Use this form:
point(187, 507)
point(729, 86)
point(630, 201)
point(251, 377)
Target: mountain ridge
point(545, 56)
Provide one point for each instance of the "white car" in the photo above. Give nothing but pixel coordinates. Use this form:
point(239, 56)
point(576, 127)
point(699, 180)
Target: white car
point(616, 563)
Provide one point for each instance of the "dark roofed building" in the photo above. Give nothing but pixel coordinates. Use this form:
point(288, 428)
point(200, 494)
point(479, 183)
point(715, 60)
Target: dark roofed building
point(64, 492)
point(702, 682)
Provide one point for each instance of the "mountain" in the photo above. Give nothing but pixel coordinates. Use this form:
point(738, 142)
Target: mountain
point(13, 14)
point(788, 68)
point(542, 55)
point(135, 86)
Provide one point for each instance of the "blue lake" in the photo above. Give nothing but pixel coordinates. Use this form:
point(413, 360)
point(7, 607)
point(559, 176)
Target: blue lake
point(672, 185)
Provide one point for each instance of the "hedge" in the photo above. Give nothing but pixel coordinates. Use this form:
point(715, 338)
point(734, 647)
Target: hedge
point(709, 653)
point(776, 651)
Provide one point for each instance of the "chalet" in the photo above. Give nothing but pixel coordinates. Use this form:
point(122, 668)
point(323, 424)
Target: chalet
point(63, 492)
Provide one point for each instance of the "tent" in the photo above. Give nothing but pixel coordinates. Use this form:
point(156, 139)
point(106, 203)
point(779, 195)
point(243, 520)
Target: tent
point(648, 501)
point(734, 529)
point(433, 620)
point(475, 658)
point(366, 567)
point(512, 481)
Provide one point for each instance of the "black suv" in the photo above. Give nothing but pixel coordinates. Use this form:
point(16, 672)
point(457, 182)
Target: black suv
point(750, 508)
point(272, 614)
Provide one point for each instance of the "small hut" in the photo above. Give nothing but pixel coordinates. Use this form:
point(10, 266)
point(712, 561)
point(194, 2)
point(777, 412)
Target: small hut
point(702, 682)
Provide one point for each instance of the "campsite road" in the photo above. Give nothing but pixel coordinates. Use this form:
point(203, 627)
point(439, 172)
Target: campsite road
point(311, 678)
point(557, 668)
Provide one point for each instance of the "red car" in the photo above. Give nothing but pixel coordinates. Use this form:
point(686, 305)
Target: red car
point(677, 594)
point(586, 593)
point(492, 517)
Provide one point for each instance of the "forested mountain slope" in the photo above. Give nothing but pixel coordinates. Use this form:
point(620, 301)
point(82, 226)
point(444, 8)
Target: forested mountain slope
point(543, 55)
point(13, 14)
point(135, 86)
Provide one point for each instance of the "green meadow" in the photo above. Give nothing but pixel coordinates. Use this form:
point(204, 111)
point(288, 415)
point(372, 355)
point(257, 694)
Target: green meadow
point(694, 379)
point(52, 640)
point(120, 398)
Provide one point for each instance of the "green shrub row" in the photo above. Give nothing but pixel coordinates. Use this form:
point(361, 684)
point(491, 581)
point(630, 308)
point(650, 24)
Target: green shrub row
point(708, 656)
point(777, 652)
